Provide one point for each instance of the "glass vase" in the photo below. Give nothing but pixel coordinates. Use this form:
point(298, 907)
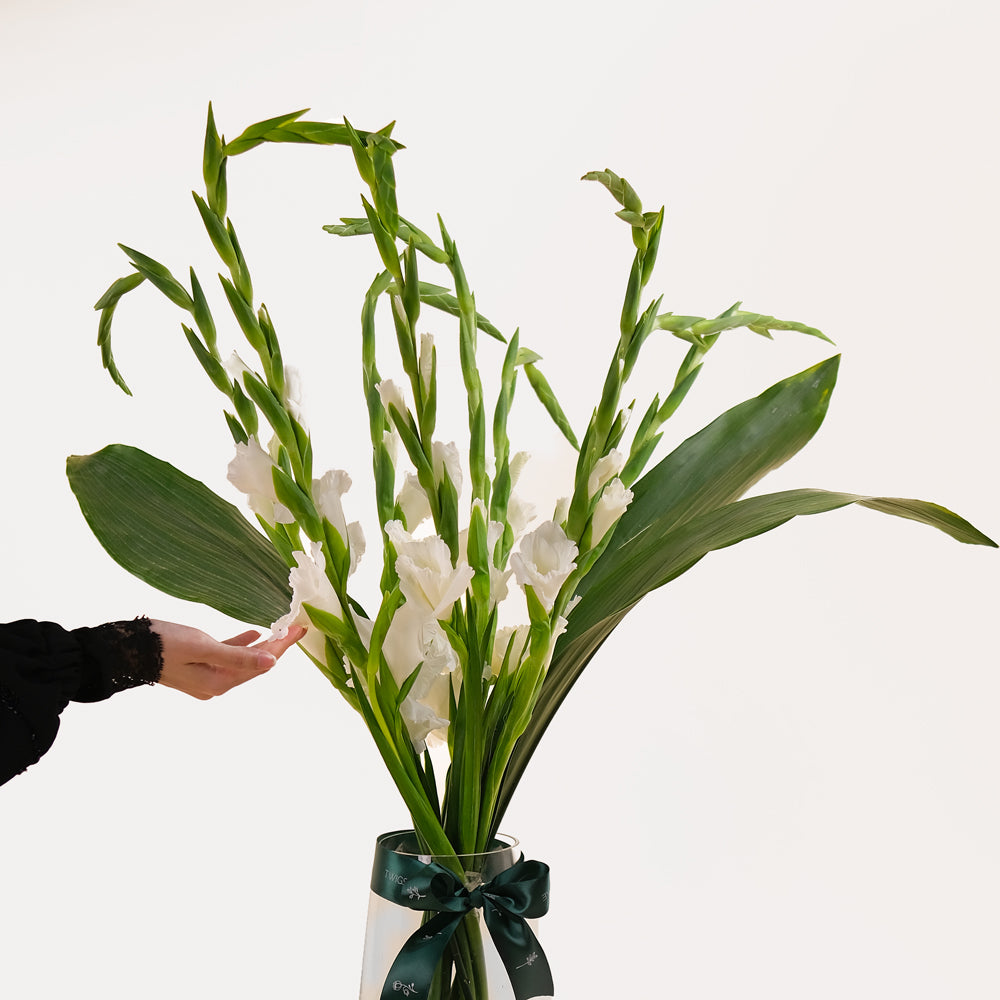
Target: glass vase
point(470, 967)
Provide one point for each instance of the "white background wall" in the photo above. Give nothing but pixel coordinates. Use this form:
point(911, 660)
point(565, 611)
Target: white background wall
point(779, 778)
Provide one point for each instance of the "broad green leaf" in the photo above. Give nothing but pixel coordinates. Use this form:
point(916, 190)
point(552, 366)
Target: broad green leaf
point(655, 557)
point(177, 535)
point(689, 505)
point(725, 459)
point(663, 552)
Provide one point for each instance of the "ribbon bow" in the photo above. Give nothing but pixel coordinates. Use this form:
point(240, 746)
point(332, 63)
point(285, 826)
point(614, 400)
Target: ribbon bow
point(520, 892)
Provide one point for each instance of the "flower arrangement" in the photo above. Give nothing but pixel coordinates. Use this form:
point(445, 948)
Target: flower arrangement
point(455, 692)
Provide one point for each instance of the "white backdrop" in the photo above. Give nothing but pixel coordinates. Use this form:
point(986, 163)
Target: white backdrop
point(779, 778)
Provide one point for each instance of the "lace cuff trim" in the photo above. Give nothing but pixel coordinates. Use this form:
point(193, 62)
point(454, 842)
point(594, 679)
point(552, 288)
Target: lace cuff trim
point(138, 653)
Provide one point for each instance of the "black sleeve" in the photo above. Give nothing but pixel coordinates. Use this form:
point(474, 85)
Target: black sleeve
point(43, 667)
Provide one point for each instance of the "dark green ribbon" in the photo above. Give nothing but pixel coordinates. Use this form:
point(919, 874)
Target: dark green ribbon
point(508, 901)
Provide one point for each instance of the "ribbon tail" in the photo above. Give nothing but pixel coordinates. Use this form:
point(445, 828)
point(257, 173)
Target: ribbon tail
point(522, 955)
point(412, 972)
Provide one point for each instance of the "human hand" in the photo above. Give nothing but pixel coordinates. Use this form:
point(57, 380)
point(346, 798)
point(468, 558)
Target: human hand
point(193, 662)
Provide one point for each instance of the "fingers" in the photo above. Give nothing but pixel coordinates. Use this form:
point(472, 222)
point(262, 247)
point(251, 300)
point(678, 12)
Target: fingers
point(278, 646)
point(196, 664)
point(243, 639)
point(239, 655)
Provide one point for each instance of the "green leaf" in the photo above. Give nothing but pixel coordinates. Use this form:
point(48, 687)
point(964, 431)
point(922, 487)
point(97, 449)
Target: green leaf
point(725, 459)
point(440, 298)
point(663, 552)
point(315, 133)
point(688, 506)
point(547, 398)
point(216, 230)
point(177, 535)
point(213, 166)
point(260, 132)
point(107, 304)
point(161, 277)
point(714, 467)
point(620, 190)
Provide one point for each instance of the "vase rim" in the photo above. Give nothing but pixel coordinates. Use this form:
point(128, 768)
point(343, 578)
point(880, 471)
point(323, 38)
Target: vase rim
point(501, 842)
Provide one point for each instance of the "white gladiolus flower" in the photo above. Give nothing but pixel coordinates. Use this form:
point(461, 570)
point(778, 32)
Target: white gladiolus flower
point(293, 392)
point(356, 543)
point(235, 367)
point(516, 639)
point(391, 395)
point(425, 362)
point(557, 630)
point(413, 501)
point(327, 493)
point(562, 510)
point(520, 513)
point(615, 498)
point(498, 585)
point(517, 464)
point(427, 577)
point(414, 640)
point(309, 586)
point(445, 458)
point(393, 445)
point(544, 560)
point(498, 577)
point(604, 469)
point(250, 473)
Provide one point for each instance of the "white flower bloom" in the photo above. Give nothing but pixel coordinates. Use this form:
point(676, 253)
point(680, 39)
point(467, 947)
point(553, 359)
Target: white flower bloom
point(426, 360)
point(293, 392)
point(413, 501)
point(309, 586)
point(235, 367)
point(605, 469)
point(544, 560)
point(391, 395)
point(327, 493)
point(356, 542)
point(415, 640)
point(562, 510)
point(427, 577)
point(498, 577)
point(557, 630)
point(516, 639)
point(393, 445)
point(610, 507)
point(498, 585)
point(445, 458)
point(397, 306)
point(517, 464)
point(520, 513)
point(250, 473)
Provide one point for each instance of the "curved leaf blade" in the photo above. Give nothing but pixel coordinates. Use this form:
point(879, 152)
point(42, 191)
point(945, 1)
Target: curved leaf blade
point(654, 559)
point(723, 460)
point(689, 505)
point(175, 534)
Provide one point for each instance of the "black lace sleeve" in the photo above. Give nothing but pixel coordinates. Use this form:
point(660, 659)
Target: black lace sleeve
point(43, 667)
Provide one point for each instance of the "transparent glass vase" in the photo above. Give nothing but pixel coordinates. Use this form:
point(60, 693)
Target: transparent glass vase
point(471, 968)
